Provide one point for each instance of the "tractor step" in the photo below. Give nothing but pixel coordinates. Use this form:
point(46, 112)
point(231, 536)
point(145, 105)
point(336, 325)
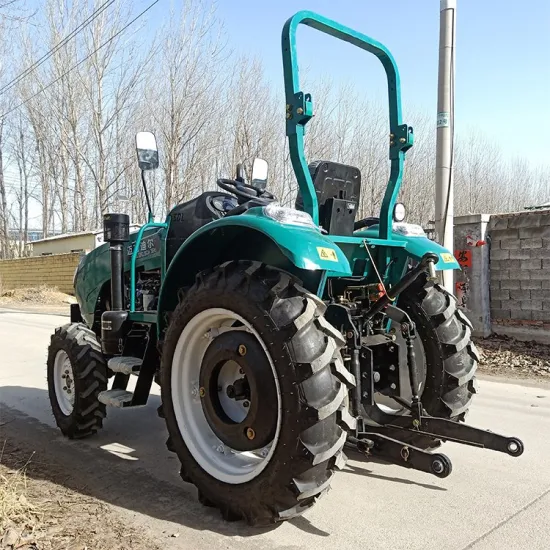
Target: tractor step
point(116, 398)
point(125, 365)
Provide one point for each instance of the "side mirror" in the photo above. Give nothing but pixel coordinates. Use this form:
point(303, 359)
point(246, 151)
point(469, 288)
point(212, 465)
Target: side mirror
point(147, 152)
point(259, 174)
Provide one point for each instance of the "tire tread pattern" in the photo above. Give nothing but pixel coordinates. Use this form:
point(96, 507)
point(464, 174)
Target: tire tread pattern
point(451, 333)
point(310, 358)
point(90, 378)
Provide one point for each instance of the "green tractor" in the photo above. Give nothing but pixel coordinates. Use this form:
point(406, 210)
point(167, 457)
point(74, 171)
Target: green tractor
point(279, 336)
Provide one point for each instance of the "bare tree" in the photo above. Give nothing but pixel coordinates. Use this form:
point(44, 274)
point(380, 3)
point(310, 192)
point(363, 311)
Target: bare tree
point(70, 134)
point(185, 100)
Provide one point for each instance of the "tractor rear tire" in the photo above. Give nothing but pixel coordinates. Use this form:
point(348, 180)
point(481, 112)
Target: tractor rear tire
point(451, 356)
point(303, 350)
point(76, 373)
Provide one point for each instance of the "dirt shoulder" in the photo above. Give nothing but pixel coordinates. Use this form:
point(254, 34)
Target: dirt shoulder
point(505, 357)
point(36, 513)
point(42, 299)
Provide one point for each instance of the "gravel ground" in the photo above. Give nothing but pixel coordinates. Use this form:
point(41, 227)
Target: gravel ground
point(503, 356)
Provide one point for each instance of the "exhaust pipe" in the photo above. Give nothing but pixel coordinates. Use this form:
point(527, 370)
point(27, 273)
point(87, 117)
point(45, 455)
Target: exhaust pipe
point(116, 231)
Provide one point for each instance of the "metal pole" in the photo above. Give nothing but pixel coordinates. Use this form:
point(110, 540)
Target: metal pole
point(445, 133)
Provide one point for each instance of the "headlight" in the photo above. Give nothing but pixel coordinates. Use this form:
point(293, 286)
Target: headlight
point(289, 216)
point(408, 229)
point(399, 212)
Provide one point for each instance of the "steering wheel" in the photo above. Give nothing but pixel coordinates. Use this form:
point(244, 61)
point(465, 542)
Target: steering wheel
point(243, 191)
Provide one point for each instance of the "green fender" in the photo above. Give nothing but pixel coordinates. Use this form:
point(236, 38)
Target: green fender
point(416, 247)
point(250, 236)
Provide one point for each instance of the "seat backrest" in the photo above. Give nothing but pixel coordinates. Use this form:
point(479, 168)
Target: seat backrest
point(338, 188)
point(187, 217)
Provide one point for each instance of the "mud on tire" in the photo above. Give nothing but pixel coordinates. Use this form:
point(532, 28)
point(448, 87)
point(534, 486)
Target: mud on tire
point(90, 378)
point(313, 384)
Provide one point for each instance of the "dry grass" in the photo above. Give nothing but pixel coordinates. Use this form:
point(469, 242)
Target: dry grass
point(39, 512)
point(504, 356)
point(40, 295)
point(17, 514)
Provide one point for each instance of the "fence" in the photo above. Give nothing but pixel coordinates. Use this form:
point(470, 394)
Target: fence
point(55, 271)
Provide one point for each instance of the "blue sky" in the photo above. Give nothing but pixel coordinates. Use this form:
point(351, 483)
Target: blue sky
point(502, 57)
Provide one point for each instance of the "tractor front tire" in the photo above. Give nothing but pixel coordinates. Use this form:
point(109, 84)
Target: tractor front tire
point(312, 385)
point(76, 373)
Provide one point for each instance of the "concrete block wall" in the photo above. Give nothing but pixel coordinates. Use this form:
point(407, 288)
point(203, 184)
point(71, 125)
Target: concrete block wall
point(472, 281)
point(520, 273)
point(55, 271)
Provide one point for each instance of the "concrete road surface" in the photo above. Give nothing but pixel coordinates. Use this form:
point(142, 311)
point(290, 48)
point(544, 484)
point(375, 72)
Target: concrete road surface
point(489, 501)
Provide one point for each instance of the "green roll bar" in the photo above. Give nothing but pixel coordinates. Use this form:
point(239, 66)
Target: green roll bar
point(299, 110)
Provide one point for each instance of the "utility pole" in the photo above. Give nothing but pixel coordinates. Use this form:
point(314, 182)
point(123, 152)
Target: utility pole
point(445, 133)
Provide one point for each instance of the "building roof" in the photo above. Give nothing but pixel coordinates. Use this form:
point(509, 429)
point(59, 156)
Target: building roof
point(68, 236)
point(94, 232)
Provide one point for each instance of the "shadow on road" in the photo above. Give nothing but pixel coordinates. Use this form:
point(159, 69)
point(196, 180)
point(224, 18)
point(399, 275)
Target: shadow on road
point(126, 476)
point(368, 473)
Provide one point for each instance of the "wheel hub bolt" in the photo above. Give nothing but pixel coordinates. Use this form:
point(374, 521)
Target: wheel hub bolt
point(393, 386)
point(242, 350)
point(202, 392)
point(250, 433)
point(246, 404)
point(376, 376)
point(366, 394)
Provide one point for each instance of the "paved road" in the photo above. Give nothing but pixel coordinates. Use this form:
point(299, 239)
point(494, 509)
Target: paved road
point(489, 501)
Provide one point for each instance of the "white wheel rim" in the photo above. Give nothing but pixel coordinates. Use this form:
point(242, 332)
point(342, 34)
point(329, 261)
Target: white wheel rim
point(217, 459)
point(63, 377)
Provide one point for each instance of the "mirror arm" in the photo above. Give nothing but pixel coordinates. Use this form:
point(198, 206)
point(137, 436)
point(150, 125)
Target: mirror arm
point(151, 216)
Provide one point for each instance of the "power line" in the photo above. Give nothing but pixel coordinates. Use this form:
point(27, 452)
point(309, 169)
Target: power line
point(82, 60)
point(58, 46)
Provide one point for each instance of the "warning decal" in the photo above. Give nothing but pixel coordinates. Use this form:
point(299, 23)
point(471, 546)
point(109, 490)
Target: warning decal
point(448, 258)
point(328, 254)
